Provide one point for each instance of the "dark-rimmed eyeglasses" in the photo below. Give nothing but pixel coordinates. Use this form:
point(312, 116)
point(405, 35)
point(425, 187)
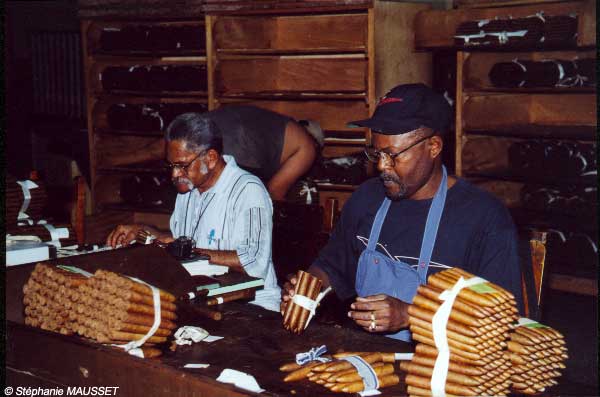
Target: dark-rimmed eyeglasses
point(184, 167)
point(375, 155)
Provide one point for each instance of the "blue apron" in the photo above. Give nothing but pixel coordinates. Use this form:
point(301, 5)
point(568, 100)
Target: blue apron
point(379, 274)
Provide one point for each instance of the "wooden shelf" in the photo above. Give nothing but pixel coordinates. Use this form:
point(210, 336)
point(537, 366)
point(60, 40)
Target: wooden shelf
point(528, 131)
point(333, 186)
point(506, 175)
point(130, 58)
point(358, 51)
point(299, 95)
point(153, 95)
point(575, 285)
point(541, 90)
point(552, 220)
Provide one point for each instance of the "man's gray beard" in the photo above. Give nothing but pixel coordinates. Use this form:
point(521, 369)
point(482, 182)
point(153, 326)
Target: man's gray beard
point(189, 183)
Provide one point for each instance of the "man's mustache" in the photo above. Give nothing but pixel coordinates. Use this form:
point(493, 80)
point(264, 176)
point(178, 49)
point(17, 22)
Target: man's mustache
point(389, 178)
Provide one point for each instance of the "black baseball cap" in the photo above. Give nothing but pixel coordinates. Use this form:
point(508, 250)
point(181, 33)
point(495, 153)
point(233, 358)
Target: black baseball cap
point(408, 107)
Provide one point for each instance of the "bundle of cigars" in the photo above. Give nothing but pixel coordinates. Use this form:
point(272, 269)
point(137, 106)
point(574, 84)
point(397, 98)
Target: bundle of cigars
point(537, 353)
point(479, 330)
point(339, 375)
point(106, 307)
point(295, 317)
point(15, 198)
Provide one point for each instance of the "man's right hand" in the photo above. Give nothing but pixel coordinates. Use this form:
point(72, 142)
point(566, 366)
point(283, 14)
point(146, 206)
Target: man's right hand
point(287, 292)
point(123, 235)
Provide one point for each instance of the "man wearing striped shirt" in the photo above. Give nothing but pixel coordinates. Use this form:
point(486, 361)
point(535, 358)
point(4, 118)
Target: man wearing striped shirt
point(226, 210)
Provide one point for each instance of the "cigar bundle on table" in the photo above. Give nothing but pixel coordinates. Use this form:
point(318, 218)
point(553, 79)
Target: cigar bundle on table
point(48, 298)
point(15, 197)
point(537, 354)
point(295, 316)
point(340, 376)
point(477, 333)
point(106, 307)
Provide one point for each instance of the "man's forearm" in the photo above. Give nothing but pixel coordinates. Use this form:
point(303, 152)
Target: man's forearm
point(225, 258)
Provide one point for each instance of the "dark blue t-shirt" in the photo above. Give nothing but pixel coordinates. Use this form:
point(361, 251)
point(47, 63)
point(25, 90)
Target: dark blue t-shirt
point(476, 233)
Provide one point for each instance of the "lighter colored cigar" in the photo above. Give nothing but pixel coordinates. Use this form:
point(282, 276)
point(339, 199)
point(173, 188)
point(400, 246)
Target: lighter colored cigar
point(384, 381)
point(496, 297)
point(133, 296)
point(137, 287)
point(452, 366)
point(325, 375)
point(301, 289)
point(465, 294)
point(313, 289)
point(420, 392)
point(433, 293)
point(426, 371)
point(336, 375)
point(128, 336)
point(139, 319)
point(151, 352)
point(516, 348)
point(312, 376)
point(320, 381)
point(426, 315)
point(339, 386)
point(430, 351)
point(451, 342)
point(342, 365)
point(466, 275)
point(141, 308)
point(524, 340)
point(534, 336)
point(425, 383)
point(289, 367)
point(455, 315)
point(386, 357)
point(139, 329)
point(451, 334)
point(380, 371)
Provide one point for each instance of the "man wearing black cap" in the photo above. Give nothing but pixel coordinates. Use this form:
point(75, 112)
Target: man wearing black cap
point(413, 220)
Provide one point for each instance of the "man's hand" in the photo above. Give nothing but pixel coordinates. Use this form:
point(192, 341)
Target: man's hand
point(379, 313)
point(123, 234)
point(287, 292)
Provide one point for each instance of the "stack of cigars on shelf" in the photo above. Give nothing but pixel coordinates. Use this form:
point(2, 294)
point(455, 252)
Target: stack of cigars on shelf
point(25, 202)
point(105, 307)
point(477, 345)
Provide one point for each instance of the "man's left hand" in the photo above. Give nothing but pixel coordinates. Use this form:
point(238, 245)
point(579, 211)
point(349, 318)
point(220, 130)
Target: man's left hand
point(379, 313)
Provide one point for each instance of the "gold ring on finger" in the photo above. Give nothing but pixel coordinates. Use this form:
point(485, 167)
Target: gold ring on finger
point(372, 326)
point(372, 316)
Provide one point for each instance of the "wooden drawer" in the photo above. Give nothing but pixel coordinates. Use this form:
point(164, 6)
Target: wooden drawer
point(331, 114)
point(478, 64)
point(306, 33)
point(508, 192)
point(294, 74)
point(502, 111)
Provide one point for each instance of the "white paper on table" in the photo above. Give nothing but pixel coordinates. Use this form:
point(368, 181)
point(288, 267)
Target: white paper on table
point(196, 366)
point(240, 379)
point(204, 268)
point(212, 338)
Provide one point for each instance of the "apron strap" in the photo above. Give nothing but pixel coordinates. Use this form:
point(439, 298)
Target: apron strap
point(378, 223)
point(431, 227)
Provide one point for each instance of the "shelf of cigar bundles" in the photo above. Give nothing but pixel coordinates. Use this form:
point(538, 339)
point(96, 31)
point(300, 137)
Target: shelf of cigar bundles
point(340, 375)
point(104, 307)
point(490, 353)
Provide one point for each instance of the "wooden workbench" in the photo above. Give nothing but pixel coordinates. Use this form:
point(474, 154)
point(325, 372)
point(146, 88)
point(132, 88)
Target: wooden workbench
point(255, 342)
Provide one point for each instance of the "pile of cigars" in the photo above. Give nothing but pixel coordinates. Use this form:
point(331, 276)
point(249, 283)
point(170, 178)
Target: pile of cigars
point(106, 307)
point(295, 317)
point(489, 354)
point(339, 375)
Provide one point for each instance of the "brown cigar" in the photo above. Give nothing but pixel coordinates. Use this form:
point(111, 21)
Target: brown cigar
point(431, 351)
point(452, 366)
point(300, 373)
point(420, 392)
point(141, 308)
point(434, 293)
point(301, 289)
point(384, 381)
point(151, 352)
point(424, 336)
point(314, 287)
point(380, 370)
point(230, 297)
point(425, 383)
point(137, 287)
point(455, 315)
point(290, 306)
point(465, 294)
point(452, 377)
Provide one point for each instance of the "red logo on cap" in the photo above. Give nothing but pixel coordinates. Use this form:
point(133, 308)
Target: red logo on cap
point(385, 100)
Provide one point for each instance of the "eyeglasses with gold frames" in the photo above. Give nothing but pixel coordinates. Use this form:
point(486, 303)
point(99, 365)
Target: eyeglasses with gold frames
point(375, 155)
